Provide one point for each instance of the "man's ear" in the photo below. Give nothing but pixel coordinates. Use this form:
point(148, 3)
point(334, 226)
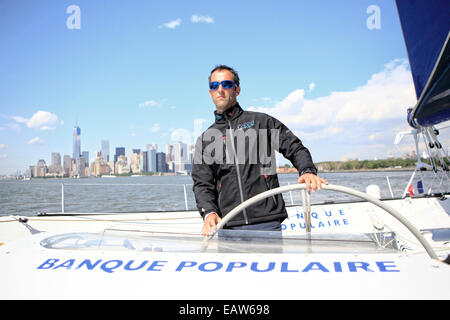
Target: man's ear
point(238, 90)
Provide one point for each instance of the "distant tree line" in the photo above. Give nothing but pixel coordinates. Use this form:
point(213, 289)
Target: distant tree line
point(372, 164)
point(366, 164)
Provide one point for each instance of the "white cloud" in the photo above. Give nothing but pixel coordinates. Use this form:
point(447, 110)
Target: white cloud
point(19, 119)
point(2, 146)
point(171, 24)
point(155, 128)
point(148, 104)
point(358, 121)
point(13, 126)
point(312, 85)
point(41, 120)
point(3, 156)
point(201, 19)
point(35, 140)
point(385, 96)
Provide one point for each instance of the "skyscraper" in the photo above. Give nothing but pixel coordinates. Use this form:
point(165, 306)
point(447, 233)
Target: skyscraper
point(151, 160)
point(105, 150)
point(56, 159)
point(76, 153)
point(161, 165)
point(120, 151)
point(67, 166)
point(85, 154)
point(180, 154)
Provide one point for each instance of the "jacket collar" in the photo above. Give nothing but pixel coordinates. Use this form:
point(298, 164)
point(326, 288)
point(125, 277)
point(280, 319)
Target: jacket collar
point(229, 114)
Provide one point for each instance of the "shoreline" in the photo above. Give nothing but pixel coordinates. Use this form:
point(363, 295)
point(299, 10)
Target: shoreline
point(280, 170)
point(293, 170)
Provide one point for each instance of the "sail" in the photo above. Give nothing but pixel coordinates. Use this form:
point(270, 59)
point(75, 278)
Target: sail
point(426, 30)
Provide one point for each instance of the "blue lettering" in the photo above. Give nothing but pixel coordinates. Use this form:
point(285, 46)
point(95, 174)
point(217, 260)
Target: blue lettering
point(345, 221)
point(336, 222)
point(352, 266)
point(233, 265)
point(321, 224)
point(337, 266)
point(292, 226)
point(341, 212)
point(187, 264)
point(284, 267)
point(283, 226)
point(156, 264)
point(88, 264)
point(303, 226)
point(314, 215)
point(48, 264)
point(254, 267)
point(202, 267)
point(318, 265)
point(384, 268)
point(328, 213)
point(66, 264)
point(300, 215)
point(108, 269)
point(129, 268)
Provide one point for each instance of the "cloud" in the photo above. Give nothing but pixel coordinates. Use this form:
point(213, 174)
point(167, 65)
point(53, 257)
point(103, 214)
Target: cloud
point(312, 85)
point(2, 146)
point(359, 121)
point(35, 140)
point(19, 119)
point(171, 24)
point(201, 19)
point(41, 120)
point(385, 96)
point(13, 126)
point(149, 104)
point(3, 156)
point(155, 128)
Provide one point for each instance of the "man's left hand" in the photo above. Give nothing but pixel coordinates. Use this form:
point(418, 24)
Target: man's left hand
point(312, 181)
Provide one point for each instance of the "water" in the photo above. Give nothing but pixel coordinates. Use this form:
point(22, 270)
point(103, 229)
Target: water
point(161, 193)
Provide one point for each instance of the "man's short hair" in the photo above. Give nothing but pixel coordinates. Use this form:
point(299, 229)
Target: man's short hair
point(224, 67)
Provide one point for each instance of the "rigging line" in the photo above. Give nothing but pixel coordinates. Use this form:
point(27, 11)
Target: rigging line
point(87, 219)
point(150, 231)
point(8, 221)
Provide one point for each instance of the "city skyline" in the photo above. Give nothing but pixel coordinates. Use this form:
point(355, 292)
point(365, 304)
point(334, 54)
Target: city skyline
point(177, 158)
point(336, 73)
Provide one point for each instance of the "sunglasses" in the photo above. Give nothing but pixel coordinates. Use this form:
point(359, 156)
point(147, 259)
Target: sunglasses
point(227, 84)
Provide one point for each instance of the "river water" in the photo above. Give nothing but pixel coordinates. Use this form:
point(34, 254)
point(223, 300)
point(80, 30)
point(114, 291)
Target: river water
point(162, 193)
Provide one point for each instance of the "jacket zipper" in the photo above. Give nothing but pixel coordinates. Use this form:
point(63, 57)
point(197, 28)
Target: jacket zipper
point(237, 171)
point(220, 193)
point(268, 188)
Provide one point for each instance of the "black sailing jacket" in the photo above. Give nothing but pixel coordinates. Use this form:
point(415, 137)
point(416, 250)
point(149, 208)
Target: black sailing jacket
point(225, 173)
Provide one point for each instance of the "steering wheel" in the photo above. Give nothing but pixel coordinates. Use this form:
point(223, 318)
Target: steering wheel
point(307, 210)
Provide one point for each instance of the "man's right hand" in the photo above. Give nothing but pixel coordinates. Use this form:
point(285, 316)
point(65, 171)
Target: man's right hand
point(210, 223)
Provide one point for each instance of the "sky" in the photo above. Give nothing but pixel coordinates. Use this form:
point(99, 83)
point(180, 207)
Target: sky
point(135, 73)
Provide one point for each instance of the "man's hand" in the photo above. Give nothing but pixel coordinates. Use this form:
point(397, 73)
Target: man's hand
point(210, 223)
point(312, 181)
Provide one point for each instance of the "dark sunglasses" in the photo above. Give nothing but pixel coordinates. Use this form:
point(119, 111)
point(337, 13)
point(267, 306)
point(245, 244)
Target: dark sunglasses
point(227, 84)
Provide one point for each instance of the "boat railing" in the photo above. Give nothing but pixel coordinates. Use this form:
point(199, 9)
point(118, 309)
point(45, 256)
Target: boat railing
point(67, 196)
point(307, 210)
point(186, 187)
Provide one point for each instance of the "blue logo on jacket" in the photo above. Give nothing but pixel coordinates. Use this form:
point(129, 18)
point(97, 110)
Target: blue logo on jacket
point(245, 125)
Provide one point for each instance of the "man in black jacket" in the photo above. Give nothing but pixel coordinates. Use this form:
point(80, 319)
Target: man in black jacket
point(234, 160)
